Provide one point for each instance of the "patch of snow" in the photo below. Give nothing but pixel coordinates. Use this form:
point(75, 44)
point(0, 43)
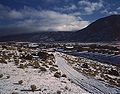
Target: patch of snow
point(89, 84)
point(43, 80)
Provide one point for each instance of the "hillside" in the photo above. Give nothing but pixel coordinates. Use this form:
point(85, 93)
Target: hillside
point(105, 29)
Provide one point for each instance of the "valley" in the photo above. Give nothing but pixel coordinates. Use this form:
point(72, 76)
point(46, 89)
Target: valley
point(32, 68)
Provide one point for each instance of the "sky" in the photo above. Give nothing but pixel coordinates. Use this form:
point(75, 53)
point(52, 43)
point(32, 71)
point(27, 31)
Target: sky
point(53, 15)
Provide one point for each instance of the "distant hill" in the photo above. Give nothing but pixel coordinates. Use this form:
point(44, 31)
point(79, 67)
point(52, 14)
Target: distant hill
point(39, 37)
point(106, 29)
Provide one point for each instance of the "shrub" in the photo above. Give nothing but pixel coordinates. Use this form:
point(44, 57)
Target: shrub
point(57, 75)
point(50, 63)
point(7, 56)
point(64, 75)
point(2, 60)
point(19, 50)
point(20, 82)
point(8, 76)
point(92, 73)
point(112, 82)
point(85, 65)
point(4, 47)
point(118, 84)
point(46, 66)
point(51, 56)
point(30, 64)
point(16, 62)
point(58, 92)
point(118, 81)
point(43, 69)
point(33, 87)
point(36, 65)
point(28, 57)
point(53, 69)
point(113, 72)
point(43, 64)
point(66, 87)
point(21, 66)
point(1, 75)
point(15, 93)
point(106, 77)
point(43, 55)
point(55, 65)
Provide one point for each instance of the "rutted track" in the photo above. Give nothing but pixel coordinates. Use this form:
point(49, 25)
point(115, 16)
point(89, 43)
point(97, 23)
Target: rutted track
point(89, 84)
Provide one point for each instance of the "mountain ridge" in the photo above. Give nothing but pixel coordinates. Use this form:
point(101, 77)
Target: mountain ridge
point(102, 30)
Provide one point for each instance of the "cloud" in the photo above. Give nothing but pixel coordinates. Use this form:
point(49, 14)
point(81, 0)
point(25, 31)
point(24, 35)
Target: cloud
point(90, 7)
point(67, 8)
point(113, 12)
point(42, 20)
point(8, 13)
point(4, 11)
point(51, 20)
point(50, 1)
point(109, 12)
point(118, 8)
point(105, 11)
point(15, 14)
point(70, 7)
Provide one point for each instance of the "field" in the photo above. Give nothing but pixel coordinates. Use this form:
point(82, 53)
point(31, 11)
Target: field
point(32, 68)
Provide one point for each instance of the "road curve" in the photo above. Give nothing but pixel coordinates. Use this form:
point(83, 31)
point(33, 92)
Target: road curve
point(91, 85)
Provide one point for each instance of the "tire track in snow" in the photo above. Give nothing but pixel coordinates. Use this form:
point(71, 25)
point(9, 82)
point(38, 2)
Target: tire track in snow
point(89, 84)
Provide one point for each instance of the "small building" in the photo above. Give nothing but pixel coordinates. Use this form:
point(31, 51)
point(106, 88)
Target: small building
point(33, 45)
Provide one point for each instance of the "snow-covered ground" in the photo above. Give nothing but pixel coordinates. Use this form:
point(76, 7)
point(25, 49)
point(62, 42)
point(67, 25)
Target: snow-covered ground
point(89, 84)
point(45, 82)
point(16, 65)
point(98, 70)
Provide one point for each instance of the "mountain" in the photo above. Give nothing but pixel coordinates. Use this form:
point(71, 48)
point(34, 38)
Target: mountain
point(50, 36)
point(105, 29)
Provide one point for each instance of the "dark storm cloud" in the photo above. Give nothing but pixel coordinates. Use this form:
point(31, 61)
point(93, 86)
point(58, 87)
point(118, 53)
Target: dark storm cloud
point(42, 19)
point(56, 15)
